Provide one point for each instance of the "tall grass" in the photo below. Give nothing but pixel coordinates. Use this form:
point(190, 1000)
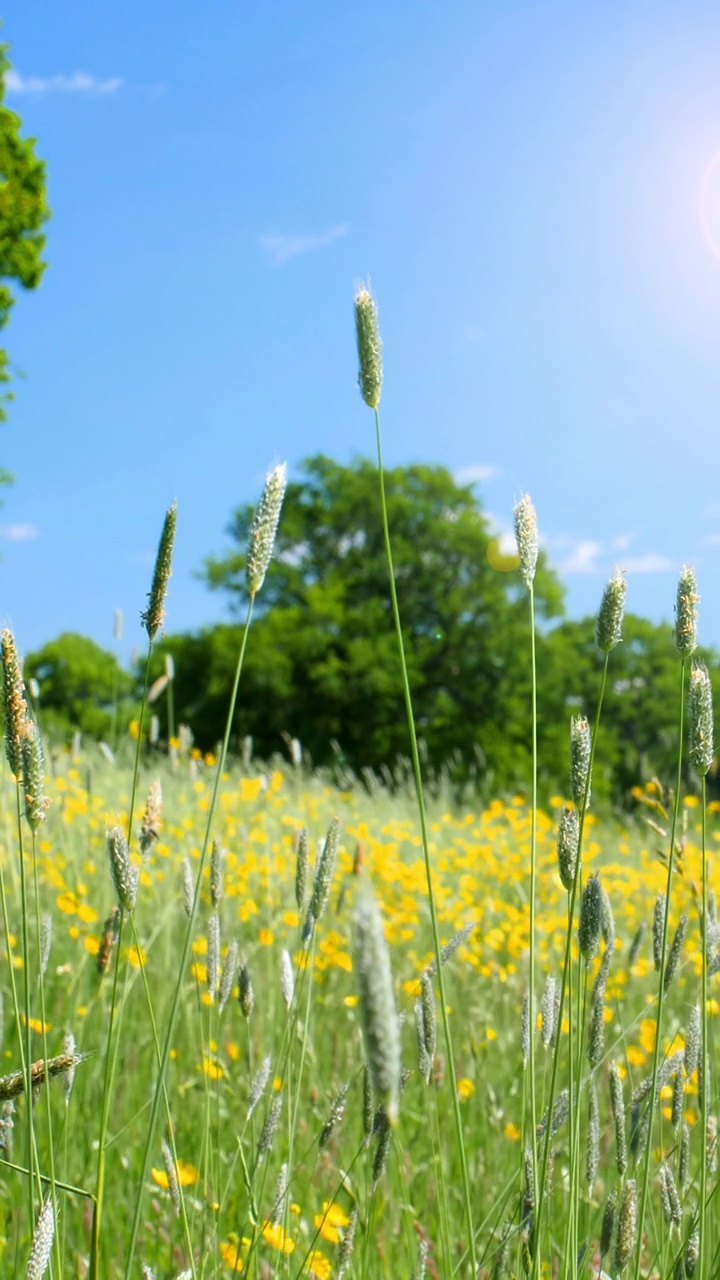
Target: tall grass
point(281, 1010)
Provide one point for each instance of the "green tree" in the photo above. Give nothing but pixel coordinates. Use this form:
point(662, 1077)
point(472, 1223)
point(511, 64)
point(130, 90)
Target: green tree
point(23, 212)
point(79, 683)
point(322, 665)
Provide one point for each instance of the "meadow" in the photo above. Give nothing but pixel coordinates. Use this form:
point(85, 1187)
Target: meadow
point(275, 1026)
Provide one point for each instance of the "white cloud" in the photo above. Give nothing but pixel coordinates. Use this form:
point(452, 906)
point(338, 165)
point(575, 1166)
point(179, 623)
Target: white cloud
point(622, 541)
point(78, 82)
point(711, 540)
point(651, 562)
point(583, 558)
point(282, 248)
point(18, 532)
point(474, 474)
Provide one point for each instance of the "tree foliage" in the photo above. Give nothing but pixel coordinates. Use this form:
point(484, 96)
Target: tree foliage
point(23, 212)
point(79, 684)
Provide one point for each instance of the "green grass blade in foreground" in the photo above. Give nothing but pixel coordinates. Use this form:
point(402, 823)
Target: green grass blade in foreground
point(182, 963)
point(426, 854)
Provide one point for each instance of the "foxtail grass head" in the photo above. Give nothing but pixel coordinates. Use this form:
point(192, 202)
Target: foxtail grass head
point(154, 616)
point(608, 625)
point(369, 347)
point(568, 845)
point(526, 535)
point(36, 802)
point(14, 706)
point(700, 715)
point(591, 917)
point(124, 874)
point(580, 750)
point(42, 1243)
point(264, 529)
point(686, 613)
point(378, 1015)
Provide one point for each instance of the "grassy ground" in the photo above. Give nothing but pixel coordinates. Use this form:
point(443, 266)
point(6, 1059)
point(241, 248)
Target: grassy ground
point(315, 1046)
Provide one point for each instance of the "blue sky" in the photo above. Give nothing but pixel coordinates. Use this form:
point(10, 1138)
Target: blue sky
point(534, 192)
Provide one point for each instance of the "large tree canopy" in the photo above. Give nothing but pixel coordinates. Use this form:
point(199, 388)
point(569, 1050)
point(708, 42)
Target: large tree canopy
point(23, 211)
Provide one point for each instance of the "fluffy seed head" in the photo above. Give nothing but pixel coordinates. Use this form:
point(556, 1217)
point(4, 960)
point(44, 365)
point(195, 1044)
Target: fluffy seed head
point(42, 1243)
point(608, 626)
point(264, 529)
point(692, 1251)
point(526, 535)
point(678, 1100)
point(344, 1253)
point(429, 1017)
point(246, 995)
point(46, 937)
point(684, 1157)
point(693, 1038)
point(287, 978)
point(567, 847)
point(669, 1198)
point(259, 1084)
point(686, 613)
point(448, 951)
point(675, 951)
point(301, 866)
point(368, 1102)
point(658, 930)
point(70, 1050)
point(281, 1190)
point(269, 1128)
point(36, 802)
point(124, 874)
point(334, 1117)
point(636, 944)
point(172, 1177)
point(617, 1104)
point(322, 882)
point(525, 1029)
point(627, 1225)
point(700, 716)
point(382, 1151)
point(188, 886)
point(596, 1034)
point(580, 747)
point(15, 710)
point(547, 1009)
point(592, 1159)
point(590, 926)
point(213, 955)
point(217, 857)
point(608, 1223)
point(154, 616)
point(228, 974)
point(151, 819)
point(369, 347)
point(377, 1004)
point(421, 1264)
point(424, 1063)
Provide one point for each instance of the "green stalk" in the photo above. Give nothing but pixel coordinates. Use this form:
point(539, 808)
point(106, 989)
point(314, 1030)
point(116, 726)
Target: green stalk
point(661, 987)
point(565, 972)
point(110, 1056)
point(182, 965)
point(426, 854)
point(41, 976)
point(533, 890)
point(33, 1161)
point(704, 1038)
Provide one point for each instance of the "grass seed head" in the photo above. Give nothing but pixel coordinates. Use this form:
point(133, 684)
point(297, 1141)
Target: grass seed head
point(124, 874)
point(287, 978)
point(46, 937)
point(15, 712)
point(172, 1177)
point(151, 819)
point(692, 1251)
point(377, 1004)
point(608, 625)
point(636, 944)
point(382, 1151)
point(608, 1224)
point(369, 347)
point(693, 1038)
point(617, 1105)
point(259, 1085)
point(345, 1251)
point(334, 1116)
point(421, 1264)
point(322, 882)
point(424, 1063)
point(70, 1050)
point(264, 529)
point(547, 1009)
point(596, 1033)
point(658, 929)
point(592, 1159)
point(525, 1029)
point(590, 926)
point(448, 951)
point(301, 867)
point(686, 613)
point(217, 857)
point(368, 1102)
point(627, 1226)
point(429, 1017)
point(675, 952)
point(246, 995)
point(568, 844)
point(684, 1156)
point(526, 535)
point(272, 1120)
point(580, 749)
point(42, 1243)
point(33, 768)
point(213, 955)
point(700, 719)
point(153, 617)
point(228, 974)
point(188, 886)
point(669, 1198)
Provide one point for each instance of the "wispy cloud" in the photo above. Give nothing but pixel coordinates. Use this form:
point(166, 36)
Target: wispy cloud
point(78, 82)
point(282, 248)
point(650, 563)
point(583, 557)
point(18, 532)
point(475, 474)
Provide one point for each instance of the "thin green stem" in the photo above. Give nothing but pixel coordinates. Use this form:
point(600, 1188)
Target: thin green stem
point(533, 887)
point(426, 854)
point(183, 960)
point(33, 1162)
point(705, 1076)
point(48, 1098)
point(661, 985)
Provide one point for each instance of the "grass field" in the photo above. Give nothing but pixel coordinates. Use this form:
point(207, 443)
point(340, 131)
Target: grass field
point(314, 1046)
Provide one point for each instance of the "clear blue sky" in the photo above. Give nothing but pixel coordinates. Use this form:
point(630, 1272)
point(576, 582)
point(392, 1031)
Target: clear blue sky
point(534, 191)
